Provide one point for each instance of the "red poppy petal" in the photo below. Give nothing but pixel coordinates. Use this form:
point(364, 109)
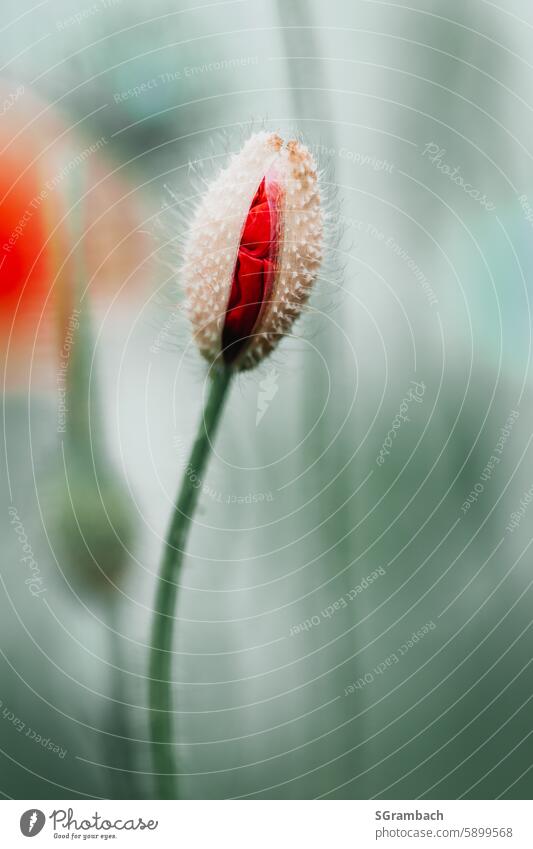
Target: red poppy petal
point(254, 269)
point(246, 298)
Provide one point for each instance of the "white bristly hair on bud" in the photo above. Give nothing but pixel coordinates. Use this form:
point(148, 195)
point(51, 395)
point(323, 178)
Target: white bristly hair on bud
point(212, 244)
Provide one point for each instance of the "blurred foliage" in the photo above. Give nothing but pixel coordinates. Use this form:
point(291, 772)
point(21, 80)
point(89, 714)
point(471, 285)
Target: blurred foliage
point(296, 511)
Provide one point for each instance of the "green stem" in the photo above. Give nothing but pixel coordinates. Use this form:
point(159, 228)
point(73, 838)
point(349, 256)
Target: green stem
point(163, 618)
point(120, 745)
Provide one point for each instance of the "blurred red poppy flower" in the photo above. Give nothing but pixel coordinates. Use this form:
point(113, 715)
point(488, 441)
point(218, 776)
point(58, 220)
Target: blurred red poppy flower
point(28, 216)
point(41, 220)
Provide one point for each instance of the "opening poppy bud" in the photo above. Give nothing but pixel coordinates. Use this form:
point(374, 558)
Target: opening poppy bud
point(254, 250)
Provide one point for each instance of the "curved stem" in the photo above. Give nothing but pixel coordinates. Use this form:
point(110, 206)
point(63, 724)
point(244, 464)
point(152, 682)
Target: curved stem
point(165, 600)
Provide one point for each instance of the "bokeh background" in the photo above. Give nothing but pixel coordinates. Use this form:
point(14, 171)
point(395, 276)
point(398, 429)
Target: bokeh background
point(293, 676)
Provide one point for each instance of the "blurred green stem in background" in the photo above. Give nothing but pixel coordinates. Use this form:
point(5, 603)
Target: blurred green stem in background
point(96, 527)
point(83, 422)
point(124, 780)
point(160, 696)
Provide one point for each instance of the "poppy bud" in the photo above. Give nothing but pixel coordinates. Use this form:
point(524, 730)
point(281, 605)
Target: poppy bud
point(254, 250)
point(93, 528)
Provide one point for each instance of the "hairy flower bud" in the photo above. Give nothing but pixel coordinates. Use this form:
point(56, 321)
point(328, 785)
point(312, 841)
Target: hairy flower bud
point(254, 250)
